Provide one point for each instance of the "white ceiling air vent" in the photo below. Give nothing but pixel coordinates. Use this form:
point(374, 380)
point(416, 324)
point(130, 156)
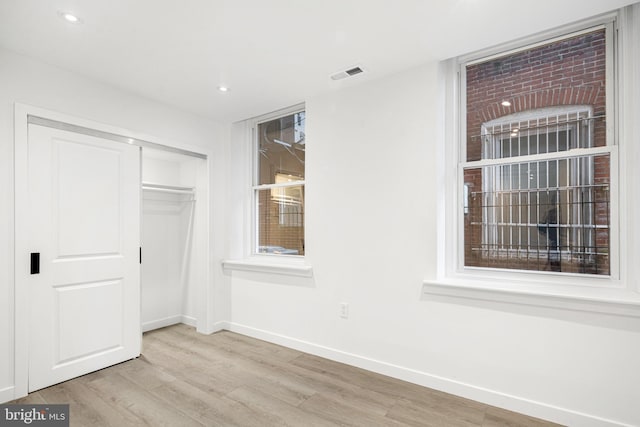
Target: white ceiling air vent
point(347, 73)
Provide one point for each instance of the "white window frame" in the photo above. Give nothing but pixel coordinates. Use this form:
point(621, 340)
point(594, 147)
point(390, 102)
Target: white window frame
point(243, 251)
point(608, 24)
point(256, 187)
point(618, 293)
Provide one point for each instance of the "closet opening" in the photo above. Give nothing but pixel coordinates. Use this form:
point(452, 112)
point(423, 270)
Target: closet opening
point(173, 216)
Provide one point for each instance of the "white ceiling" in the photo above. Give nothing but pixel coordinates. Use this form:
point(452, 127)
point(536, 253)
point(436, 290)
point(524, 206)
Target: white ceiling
point(271, 53)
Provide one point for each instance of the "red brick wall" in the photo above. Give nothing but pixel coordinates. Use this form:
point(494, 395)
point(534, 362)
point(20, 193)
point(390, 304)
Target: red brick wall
point(567, 72)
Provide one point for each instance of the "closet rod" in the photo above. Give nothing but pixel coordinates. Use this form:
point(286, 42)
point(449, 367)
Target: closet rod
point(151, 185)
point(168, 190)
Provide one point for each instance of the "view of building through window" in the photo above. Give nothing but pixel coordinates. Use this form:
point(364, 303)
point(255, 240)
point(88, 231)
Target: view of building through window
point(537, 170)
point(279, 190)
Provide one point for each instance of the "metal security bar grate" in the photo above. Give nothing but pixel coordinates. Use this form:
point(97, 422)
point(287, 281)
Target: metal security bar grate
point(547, 134)
point(535, 201)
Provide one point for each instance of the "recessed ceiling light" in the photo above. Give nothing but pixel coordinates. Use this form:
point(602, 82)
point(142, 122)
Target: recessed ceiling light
point(506, 103)
point(70, 17)
point(223, 89)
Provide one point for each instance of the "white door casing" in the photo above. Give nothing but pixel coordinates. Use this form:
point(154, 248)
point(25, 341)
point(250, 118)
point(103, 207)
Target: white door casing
point(84, 216)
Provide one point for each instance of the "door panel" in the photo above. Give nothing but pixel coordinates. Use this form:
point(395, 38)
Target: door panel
point(81, 203)
point(84, 203)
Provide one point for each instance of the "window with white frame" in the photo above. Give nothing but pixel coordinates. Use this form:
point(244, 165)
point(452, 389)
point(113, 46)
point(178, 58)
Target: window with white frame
point(536, 164)
point(278, 187)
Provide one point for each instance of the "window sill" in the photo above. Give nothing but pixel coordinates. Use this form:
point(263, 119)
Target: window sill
point(287, 267)
point(616, 301)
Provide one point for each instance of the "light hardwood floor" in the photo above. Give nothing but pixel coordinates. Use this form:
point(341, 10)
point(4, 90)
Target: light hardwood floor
point(187, 379)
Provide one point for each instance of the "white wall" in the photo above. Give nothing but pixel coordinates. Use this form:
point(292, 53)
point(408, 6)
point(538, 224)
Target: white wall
point(371, 239)
point(31, 82)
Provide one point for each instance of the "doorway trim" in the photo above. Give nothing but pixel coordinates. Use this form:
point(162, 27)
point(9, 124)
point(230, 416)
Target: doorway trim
point(22, 114)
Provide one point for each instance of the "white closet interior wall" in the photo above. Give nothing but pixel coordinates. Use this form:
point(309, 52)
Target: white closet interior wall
point(168, 293)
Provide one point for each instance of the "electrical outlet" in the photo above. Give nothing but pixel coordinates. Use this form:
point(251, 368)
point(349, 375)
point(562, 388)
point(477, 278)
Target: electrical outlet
point(344, 310)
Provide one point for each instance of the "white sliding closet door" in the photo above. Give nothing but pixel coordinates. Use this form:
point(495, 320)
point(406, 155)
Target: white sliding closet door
point(84, 206)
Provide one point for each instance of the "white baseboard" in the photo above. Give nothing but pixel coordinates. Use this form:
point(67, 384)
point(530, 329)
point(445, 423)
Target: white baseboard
point(221, 326)
point(168, 321)
point(7, 394)
point(469, 391)
point(208, 329)
point(188, 320)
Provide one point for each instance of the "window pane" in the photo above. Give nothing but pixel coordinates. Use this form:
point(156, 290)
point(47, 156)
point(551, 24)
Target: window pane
point(562, 130)
point(281, 220)
point(535, 214)
point(281, 148)
point(527, 225)
point(567, 72)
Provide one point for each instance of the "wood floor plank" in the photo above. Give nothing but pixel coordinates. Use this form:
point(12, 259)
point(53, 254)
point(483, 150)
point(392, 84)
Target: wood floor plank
point(285, 389)
point(128, 398)
point(87, 407)
point(497, 417)
point(242, 415)
point(331, 385)
point(285, 413)
point(253, 346)
point(204, 376)
point(32, 399)
point(369, 380)
point(184, 378)
point(208, 408)
point(143, 373)
point(343, 414)
point(410, 413)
